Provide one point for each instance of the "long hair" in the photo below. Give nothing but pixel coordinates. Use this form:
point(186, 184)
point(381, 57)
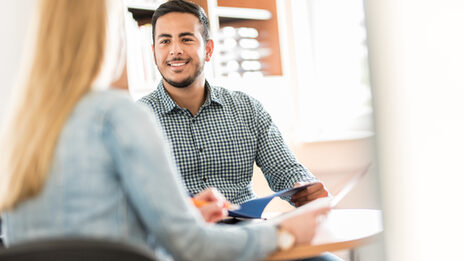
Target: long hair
point(69, 52)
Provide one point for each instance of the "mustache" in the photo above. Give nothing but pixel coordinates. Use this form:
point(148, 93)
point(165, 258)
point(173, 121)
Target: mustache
point(179, 59)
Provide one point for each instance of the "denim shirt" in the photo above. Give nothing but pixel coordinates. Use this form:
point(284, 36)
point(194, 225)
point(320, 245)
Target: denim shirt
point(112, 176)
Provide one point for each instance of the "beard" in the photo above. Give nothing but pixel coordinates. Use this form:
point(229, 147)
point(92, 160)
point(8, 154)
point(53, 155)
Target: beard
point(189, 80)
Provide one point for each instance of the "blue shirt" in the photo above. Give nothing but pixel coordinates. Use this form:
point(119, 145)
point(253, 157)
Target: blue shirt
point(112, 177)
point(218, 146)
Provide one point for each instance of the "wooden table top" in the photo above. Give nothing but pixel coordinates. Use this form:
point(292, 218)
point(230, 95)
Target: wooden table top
point(342, 229)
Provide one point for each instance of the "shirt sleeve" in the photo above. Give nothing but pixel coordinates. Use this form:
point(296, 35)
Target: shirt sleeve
point(273, 156)
point(150, 179)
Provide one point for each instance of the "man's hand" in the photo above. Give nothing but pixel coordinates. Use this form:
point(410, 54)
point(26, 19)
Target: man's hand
point(312, 192)
point(215, 208)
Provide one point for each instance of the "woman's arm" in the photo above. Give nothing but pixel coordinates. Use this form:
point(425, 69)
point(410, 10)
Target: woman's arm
point(143, 162)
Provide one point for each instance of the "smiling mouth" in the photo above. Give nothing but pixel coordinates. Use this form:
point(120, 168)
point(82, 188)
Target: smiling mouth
point(176, 64)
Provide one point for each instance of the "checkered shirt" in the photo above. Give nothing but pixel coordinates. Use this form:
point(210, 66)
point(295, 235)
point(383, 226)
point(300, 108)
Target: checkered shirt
point(218, 146)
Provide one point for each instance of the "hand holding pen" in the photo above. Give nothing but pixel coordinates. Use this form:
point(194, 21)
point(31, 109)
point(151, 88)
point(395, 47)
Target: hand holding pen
point(212, 205)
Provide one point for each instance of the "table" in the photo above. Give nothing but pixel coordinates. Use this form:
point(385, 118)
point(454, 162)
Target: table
point(342, 229)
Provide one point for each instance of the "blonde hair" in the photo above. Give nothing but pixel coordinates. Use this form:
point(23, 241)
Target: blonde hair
point(70, 47)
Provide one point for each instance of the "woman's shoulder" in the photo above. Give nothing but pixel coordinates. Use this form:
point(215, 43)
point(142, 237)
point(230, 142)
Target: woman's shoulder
point(108, 108)
point(109, 103)
point(106, 99)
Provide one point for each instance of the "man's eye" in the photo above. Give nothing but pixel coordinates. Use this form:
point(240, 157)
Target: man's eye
point(164, 41)
point(187, 40)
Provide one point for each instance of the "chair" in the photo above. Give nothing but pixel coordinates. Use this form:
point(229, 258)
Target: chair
point(74, 249)
point(1, 235)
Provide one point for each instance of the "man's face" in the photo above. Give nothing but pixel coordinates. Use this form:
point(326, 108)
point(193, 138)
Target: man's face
point(180, 51)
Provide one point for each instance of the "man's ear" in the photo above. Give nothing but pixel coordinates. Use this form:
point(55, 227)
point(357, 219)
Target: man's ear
point(209, 49)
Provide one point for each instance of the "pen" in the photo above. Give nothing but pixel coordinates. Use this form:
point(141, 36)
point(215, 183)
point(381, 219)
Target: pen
point(227, 205)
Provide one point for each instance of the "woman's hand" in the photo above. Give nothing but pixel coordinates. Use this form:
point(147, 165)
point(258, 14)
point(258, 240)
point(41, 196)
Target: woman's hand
point(303, 226)
point(211, 204)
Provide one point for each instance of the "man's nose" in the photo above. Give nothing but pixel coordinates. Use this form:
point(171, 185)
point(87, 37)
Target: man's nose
point(176, 49)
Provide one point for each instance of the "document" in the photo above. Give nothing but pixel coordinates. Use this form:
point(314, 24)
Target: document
point(254, 208)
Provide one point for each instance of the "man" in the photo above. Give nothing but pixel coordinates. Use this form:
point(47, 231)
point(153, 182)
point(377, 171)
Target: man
point(216, 134)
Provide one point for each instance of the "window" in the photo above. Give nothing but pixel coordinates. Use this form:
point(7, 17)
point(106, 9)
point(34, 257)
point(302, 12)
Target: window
point(331, 69)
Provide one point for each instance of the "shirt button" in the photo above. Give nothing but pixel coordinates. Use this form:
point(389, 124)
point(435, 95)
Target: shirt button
point(200, 150)
point(193, 120)
point(204, 179)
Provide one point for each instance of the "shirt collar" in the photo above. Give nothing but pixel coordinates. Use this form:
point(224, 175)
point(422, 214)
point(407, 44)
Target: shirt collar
point(168, 104)
point(213, 96)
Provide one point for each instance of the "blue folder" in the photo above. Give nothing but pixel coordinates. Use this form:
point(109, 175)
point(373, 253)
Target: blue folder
point(254, 208)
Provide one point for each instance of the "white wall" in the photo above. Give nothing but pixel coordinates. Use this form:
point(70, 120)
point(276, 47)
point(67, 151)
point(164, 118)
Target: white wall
point(14, 18)
point(417, 59)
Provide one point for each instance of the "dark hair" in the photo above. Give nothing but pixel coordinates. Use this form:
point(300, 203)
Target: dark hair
point(182, 6)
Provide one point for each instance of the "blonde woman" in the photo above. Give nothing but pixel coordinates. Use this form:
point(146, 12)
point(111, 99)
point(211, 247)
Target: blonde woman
point(79, 158)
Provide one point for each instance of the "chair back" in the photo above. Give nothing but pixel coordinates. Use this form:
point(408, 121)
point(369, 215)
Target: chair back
point(75, 249)
point(1, 235)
